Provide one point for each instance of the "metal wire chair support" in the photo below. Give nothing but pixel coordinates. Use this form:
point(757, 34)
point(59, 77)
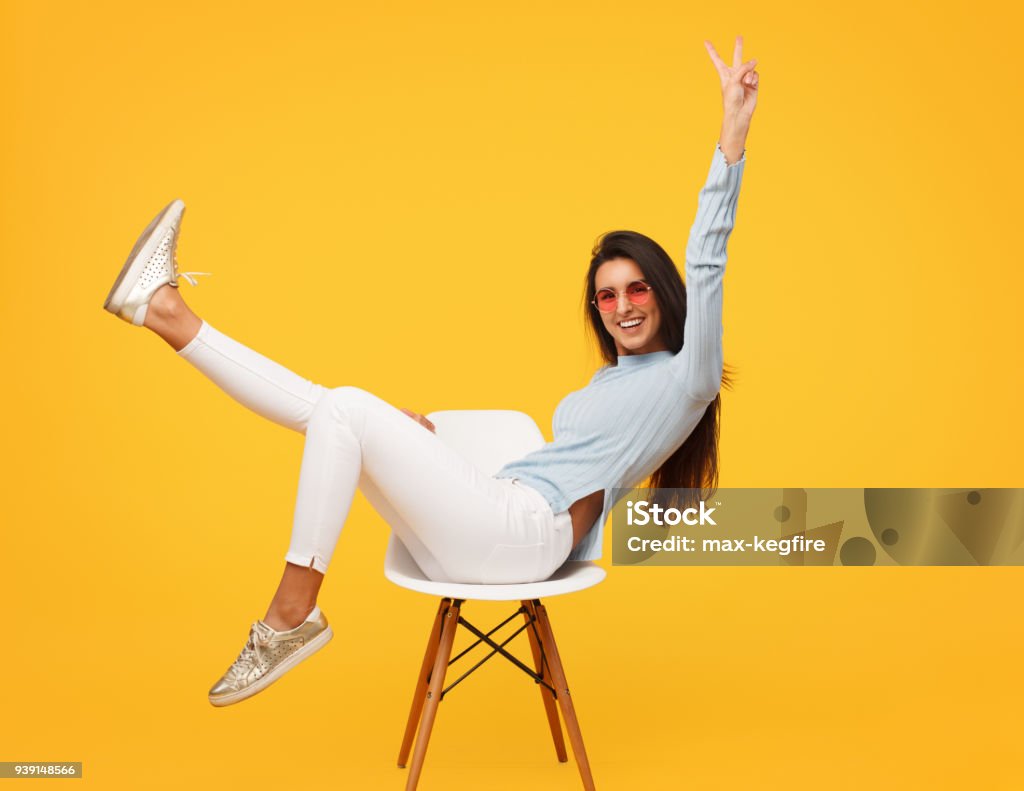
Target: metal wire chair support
point(499, 648)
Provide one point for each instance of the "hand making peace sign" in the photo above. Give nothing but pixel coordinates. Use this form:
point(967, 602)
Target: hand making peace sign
point(739, 83)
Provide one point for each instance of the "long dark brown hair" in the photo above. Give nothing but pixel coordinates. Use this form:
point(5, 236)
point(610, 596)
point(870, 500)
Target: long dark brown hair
point(694, 464)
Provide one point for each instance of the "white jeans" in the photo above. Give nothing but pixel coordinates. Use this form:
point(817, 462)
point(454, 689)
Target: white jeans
point(459, 524)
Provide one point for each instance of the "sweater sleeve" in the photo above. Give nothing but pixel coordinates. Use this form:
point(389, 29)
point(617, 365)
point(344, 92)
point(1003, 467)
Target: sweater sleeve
point(699, 363)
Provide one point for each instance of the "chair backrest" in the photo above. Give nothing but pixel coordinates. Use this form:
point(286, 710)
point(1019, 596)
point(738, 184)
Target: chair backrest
point(490, 438)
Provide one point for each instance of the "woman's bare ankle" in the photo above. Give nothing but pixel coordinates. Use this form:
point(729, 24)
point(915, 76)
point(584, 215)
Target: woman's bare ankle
point(169, 317)
point(281, 618)
point(165, 306)
point(295, 597)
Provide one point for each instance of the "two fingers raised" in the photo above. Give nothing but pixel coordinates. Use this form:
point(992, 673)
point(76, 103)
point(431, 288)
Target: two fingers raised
point(739, 70)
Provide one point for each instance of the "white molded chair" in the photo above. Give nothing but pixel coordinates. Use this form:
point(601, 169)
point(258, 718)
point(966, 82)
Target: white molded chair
point(490, 439)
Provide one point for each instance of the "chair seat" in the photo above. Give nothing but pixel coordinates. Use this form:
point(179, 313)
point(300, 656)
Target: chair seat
point(574, 575)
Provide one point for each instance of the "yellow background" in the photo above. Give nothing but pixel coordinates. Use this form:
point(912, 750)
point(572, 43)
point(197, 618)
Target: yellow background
point(403, 198)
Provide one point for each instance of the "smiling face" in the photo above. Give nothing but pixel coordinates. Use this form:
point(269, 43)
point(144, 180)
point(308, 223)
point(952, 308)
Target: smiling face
point(636, 329)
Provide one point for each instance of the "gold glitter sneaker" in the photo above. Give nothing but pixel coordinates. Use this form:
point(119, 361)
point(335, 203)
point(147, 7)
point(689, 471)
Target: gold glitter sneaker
point(267, 656)
point(150, 265)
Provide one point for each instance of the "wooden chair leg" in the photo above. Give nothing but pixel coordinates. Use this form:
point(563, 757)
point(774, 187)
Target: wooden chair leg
point(572, 725)
point(422, 681)
point(544, 670)
point(433, 696)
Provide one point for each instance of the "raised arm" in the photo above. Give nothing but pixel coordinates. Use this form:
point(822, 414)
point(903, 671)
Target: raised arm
point(699, 362)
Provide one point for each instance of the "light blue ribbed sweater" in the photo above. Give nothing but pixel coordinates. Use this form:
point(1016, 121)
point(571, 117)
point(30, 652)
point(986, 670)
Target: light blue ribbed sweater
point(632, 416)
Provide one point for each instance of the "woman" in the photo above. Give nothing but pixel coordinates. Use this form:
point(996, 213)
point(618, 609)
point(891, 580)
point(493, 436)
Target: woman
point(652, 412)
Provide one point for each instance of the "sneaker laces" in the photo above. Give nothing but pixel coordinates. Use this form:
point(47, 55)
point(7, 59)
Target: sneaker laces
point(189, 277)
point(249, 656)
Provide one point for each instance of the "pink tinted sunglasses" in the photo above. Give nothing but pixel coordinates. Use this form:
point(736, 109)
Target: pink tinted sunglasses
point(606, 300)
